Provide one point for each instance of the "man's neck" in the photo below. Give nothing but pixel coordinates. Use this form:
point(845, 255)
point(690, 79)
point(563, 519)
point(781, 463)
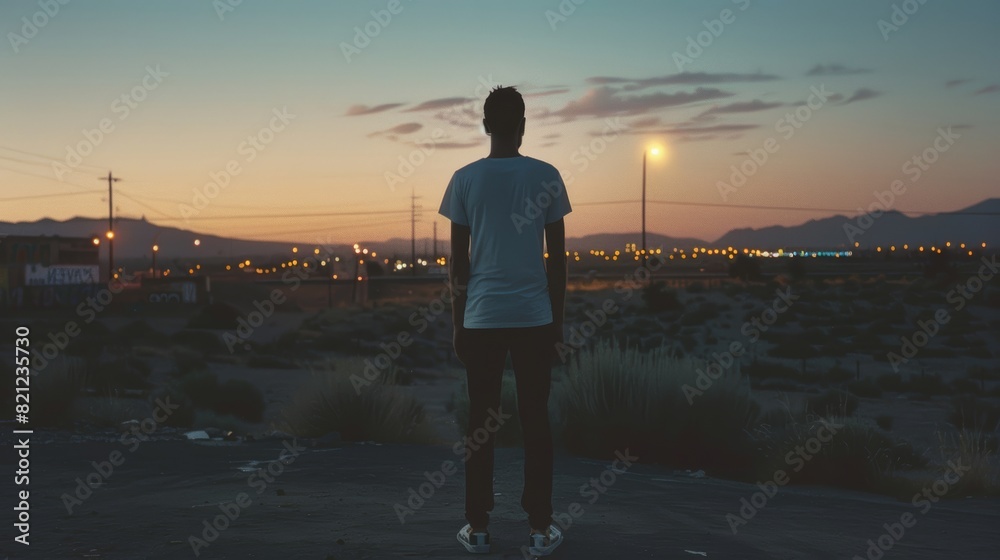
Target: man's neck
point(503, 149)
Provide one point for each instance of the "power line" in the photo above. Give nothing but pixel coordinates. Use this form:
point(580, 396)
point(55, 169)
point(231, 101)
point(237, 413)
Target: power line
point(47, 178)
point(34, 196)
point(47, 158)
point(300, 215)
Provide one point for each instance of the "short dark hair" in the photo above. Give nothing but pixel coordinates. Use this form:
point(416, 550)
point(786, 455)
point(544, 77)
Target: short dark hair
point(504, 110)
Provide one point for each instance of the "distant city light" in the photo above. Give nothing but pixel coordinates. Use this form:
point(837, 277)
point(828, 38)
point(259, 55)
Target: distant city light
point(197, 242)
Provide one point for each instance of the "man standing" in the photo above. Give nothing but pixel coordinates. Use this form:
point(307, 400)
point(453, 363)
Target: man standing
point(505, 209)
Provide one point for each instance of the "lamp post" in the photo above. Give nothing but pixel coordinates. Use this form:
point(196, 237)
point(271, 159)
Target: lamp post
point(156, 249)
point(654, 151)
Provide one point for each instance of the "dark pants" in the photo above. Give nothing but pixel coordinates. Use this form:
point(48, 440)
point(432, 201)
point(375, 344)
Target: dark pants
point(531, 351)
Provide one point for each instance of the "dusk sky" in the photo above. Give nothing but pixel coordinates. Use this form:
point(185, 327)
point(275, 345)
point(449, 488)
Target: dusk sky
point(609, 79)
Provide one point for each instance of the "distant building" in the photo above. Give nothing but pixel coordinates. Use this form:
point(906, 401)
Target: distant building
point(46, 271)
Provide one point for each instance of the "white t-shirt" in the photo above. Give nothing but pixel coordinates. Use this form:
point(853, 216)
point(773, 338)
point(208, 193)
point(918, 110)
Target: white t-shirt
point(506, 202)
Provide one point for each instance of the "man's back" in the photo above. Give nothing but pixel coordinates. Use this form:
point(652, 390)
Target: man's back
point(506, 202)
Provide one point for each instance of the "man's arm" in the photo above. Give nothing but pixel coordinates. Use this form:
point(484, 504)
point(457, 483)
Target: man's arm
point(458, 272)
point(555, 270)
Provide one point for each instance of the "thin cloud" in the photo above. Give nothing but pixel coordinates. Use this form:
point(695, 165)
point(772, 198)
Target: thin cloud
point(442, 103)
point(605, 102)
point(958, 82)
point(683, 78)
point(861, 95)
point(457, 145)
point(357, 110)
point(398, 130)
point(689, 130)
point(835, 70)
point(546, 93)
point(992, 88)
point(743, 107)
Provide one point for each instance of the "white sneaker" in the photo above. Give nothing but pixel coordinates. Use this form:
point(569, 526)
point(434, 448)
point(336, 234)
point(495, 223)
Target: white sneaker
point(476, 543)
point(543, 544)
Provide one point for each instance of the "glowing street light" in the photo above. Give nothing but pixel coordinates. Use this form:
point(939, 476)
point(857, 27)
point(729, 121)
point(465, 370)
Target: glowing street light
point(655, 151)
point(197, 242)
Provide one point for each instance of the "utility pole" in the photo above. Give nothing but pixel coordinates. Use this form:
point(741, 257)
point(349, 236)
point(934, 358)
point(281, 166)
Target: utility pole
point(111, 225)
point(435, 241)
point(413, 232)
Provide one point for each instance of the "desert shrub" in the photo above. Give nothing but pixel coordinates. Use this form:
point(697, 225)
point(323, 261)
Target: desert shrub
point(359, 409)
point(838, 374)
point(891, 382)
point(118, 374)
point(183, 416)
point(201, 387)
point(617, 398)
point(761, 370)
point(928, 385)
point(206, 342)
point(964, 385)
point(977, 453)
point(704, 312)
point(856, 456)
point(139, 332)
point(53, 391)
point(110, 411)
point(972, 414)
point(216, 316)
point(658, 297)
point(509, 433)
point(864, 388)
point(696, 287)
point(268, 361)
point(832, 403)
point(187, 360)
point(240, 398)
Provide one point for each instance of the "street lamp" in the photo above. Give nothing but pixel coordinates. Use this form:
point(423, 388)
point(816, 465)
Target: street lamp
point(156, 249)
point(655, 152)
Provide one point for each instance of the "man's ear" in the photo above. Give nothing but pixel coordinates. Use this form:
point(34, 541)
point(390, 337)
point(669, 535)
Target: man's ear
point(486, 127)
point(520, 128)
